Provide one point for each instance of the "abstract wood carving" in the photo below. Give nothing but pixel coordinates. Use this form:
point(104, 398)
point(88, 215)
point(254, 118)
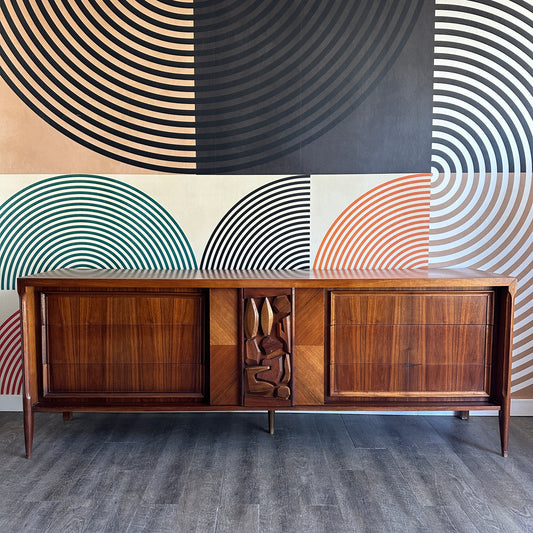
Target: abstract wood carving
point(267, 317)
point(271, 345)
point(253, 353)
point(267, 357)
point(286, 370)
point(282, 305)
point(274, 374)
point(284, 330)
point(283, 392)
point(251, 319)
point(255, 386)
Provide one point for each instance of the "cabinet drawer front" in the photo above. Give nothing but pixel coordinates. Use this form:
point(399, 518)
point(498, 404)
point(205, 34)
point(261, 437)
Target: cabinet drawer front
point(125, 378)
point(403, 379)
point(124, 344)
point(348, 307)
point(410, 344)
point(125, 309)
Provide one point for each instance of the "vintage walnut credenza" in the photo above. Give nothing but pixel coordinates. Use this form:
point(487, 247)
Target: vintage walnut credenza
point(147, 340)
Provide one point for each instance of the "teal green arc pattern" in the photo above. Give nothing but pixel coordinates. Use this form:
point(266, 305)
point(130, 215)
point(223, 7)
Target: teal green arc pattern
point(86, 221)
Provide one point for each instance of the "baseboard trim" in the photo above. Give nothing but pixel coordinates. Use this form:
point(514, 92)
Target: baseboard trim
point(519, 407)
point(10, 402)
point(522, 407)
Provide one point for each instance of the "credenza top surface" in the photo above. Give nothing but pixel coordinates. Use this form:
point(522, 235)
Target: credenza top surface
point(333, 279)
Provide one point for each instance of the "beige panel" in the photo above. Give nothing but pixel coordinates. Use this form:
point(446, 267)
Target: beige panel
point(28, 145)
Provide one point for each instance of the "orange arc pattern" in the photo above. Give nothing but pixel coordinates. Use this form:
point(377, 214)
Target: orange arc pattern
point(387, 227)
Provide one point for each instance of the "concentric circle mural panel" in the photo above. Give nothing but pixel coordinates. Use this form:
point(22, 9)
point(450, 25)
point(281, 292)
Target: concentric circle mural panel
point(264, 90)
point(482, 156)
point(388, 227)
point(216, 87)
point(83, 221)
point(270, 228)
point(117, 78)
point(285, 134)
point(10, 356)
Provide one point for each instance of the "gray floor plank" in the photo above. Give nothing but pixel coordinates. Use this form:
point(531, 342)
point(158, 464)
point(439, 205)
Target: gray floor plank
point(163, 518)
point(238, 518)
point(218, 472)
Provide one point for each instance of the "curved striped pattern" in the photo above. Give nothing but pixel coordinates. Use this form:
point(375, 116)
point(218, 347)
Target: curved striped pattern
point(268, 229)
point(274, 75)
point(115, 76)
point(83, 221)
point(183, 85)
point(11, 356)
point(388, 227)
point(482, 192)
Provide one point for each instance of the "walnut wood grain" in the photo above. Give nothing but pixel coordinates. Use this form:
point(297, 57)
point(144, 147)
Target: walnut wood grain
point(502, 360)
point(413, 308)
point(410, 343)
point(32, 371)
point(225, 367)
point(309, 343)
point(127, 378)
point(94, 309)
point(122, 343)
point(398, 379)
point(265, 279)
point(135, 343)
point(225, 376)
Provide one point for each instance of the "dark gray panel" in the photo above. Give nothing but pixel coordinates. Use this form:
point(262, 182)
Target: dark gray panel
point(314, 87)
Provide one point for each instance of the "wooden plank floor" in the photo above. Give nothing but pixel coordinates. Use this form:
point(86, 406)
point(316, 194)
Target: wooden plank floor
point(223, 472)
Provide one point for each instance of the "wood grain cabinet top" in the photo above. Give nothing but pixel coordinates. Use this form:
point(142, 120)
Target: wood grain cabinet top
point(124, 340)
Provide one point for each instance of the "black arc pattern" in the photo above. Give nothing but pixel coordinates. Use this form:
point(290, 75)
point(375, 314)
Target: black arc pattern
point(269, 228)
point(290, 74)
point(199, 86)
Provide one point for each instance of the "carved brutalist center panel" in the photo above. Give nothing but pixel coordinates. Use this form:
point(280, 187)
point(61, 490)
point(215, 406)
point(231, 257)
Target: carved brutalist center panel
point(267, 349)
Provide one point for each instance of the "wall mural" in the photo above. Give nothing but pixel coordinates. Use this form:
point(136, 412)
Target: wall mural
point(86, 222)
point(267, 229)
point(10, 356)
point(385, 228)
point(482, 192)
point(266, 134)
point(220, 87)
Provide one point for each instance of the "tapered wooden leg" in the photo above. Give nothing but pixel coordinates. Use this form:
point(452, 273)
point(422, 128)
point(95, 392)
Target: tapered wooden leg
point(271, 415)
point(505, 420)
point(28, 426)
point(463, 415)
point(67, 415)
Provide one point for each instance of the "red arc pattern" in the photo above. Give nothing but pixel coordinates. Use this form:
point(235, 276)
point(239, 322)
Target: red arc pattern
point(11, 356)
